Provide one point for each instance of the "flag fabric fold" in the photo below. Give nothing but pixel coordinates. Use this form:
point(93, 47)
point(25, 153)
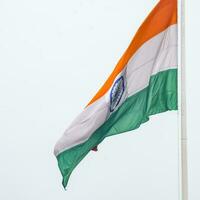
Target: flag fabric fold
point(143, 83)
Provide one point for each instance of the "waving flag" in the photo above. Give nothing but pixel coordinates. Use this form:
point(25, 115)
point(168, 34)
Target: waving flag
point(143, 83)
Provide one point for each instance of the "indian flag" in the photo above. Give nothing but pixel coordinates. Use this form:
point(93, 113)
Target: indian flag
point(143, 83)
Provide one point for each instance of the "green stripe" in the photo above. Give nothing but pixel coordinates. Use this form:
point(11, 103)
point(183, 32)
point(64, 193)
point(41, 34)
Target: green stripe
point(159, 96)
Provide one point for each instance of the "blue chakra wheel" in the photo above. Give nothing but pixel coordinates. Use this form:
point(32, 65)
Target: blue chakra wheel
point(116, 93)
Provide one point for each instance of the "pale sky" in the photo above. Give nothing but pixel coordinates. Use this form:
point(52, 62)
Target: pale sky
point(54, 56)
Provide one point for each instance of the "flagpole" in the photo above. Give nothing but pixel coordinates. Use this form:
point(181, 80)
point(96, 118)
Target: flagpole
point(183, 172)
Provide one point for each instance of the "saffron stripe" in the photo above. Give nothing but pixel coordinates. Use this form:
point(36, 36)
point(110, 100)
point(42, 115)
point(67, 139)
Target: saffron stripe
point(162, 16)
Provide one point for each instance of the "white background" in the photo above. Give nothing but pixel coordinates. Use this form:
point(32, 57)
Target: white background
point(54, 56)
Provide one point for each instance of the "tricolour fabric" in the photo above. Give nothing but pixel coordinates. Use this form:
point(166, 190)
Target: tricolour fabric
point(143, 83)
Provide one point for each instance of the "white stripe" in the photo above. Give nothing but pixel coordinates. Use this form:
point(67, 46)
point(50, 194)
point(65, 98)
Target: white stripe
point(83, 126)
point(157, 54)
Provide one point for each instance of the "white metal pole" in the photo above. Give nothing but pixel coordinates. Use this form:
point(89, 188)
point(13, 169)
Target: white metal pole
point(183, 173)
